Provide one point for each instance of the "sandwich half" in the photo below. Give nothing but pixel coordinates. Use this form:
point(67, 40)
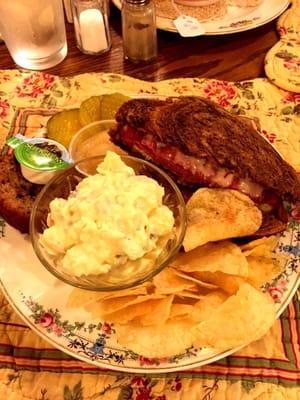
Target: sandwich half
point(201, 144)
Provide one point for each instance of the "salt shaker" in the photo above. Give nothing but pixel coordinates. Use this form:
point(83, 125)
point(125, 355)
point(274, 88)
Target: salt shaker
point(139, 30)
point(91, 26)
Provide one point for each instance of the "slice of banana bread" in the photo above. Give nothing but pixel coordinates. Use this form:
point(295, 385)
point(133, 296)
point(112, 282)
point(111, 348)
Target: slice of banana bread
point(16, 194)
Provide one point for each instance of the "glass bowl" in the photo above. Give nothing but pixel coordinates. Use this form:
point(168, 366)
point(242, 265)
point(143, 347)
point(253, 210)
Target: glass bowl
point(120, 277)
point(92, 140)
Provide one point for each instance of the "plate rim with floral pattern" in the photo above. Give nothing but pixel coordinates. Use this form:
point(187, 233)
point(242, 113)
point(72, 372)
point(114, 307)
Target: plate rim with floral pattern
point(29, 289)
point(253, 18)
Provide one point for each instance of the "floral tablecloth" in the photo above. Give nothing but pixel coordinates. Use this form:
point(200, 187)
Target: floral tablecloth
point(30, 368)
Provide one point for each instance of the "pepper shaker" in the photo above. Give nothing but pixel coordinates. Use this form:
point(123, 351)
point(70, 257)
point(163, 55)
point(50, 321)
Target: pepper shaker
point(139, 30)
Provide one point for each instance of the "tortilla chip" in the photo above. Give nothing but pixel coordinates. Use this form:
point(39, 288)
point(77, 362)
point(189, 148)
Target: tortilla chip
point(241, 319)
point(224, 256)
point(218, 214)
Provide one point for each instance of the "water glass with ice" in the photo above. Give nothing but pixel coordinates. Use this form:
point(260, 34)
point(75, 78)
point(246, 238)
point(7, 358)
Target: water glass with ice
point(34, 32)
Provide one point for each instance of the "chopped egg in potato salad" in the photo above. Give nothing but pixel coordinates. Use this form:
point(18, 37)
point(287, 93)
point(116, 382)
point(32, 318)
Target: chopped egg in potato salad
point(111, 218)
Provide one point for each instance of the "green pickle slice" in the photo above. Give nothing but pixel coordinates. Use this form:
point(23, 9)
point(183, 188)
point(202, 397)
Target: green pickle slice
point(90, 110)
point(103, 107)
point(111, 103)
point(63, 126)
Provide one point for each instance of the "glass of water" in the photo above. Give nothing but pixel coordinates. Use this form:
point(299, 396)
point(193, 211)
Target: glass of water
point(34, 32)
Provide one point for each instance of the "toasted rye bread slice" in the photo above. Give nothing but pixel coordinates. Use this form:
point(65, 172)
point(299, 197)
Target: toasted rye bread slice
point(200, 128)
point(16, 194)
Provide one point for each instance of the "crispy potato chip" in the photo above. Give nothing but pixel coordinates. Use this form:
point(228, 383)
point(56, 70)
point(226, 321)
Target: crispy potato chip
point(229, 212)
point(111, 305)
point(264, 247)
point(224, 256)
point(151, 311)
point(108, 306)
point(189, 295)
point(271, 241)
point(82, 298)
point(130, 312)
point(196, 280)
point(262, 270)
point(264, 263)
point(202, 310)
point(241, 319)
point(229, 283)
point(159, 312)
point(168, 282)
point(134, 291)
point(263, 250)
point(163, 340)
point(180, 310)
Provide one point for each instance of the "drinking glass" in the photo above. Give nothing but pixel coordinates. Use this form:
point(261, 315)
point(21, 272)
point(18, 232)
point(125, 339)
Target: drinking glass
point(34, 32)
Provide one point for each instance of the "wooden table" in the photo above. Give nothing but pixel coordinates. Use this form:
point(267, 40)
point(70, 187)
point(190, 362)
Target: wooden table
point(231, 57)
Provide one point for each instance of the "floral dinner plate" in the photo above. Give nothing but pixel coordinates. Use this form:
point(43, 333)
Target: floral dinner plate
point(42, 301)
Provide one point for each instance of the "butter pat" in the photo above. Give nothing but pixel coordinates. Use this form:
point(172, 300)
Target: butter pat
point(40, 158)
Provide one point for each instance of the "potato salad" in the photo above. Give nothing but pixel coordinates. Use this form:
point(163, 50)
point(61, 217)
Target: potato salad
point(112, 217)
